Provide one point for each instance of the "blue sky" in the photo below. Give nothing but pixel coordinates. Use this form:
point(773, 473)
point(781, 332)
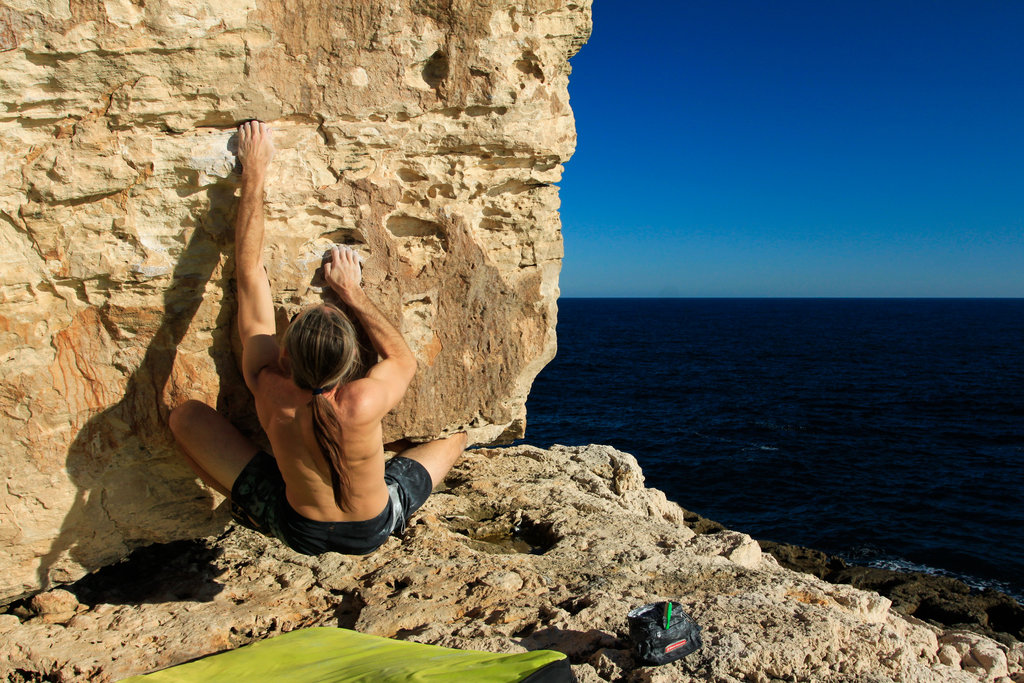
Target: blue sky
point(797, 148)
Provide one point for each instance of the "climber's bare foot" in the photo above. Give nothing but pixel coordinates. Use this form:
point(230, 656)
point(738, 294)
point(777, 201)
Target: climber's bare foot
point(255, 147)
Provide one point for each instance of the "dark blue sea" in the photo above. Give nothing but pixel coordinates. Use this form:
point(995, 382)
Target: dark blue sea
point(889, 432)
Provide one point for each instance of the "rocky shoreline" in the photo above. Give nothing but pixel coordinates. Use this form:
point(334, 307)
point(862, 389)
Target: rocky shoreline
point(523, 548)
point(941, 601)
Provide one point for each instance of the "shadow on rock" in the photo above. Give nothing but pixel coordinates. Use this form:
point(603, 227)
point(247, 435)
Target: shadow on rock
point(165, 572)
point(131, 489)
point(576, 645)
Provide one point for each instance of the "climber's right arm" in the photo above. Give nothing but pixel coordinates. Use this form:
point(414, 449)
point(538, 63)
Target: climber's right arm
point(389, 378)
point(255, 305)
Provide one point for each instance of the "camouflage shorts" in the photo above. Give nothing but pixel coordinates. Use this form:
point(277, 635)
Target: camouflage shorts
point(258, 502)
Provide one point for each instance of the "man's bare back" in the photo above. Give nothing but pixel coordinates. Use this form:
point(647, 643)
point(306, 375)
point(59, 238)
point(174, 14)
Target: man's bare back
point(286, 418)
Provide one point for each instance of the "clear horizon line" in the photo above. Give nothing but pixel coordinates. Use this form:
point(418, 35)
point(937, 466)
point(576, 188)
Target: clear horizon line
point(903, 297)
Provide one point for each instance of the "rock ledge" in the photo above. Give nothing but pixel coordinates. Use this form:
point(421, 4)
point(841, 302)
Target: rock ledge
point(522, 549)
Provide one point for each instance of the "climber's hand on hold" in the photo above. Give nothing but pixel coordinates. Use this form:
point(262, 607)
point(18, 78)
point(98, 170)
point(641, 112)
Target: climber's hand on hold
point(255, 147)
point(343, 272)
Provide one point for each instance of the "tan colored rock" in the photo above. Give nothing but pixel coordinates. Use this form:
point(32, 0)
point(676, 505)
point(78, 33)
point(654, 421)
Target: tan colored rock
point(9, 622)
point(975, 654)
point(1015, 657)
point(427, 135)
point(730, 545)
point(553, 523)
point(56, 606)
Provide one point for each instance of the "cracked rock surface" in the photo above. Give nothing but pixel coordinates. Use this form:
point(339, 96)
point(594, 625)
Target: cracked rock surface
point(521, 548)
point(426, 135)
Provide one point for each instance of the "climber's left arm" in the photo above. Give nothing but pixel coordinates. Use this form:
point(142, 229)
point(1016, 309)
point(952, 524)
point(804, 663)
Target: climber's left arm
point(255, 305)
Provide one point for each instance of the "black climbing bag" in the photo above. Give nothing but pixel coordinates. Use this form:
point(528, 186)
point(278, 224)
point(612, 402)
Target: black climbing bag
point(655, 641)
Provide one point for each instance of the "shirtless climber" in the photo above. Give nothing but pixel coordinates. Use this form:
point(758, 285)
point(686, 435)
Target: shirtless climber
point(326, 487)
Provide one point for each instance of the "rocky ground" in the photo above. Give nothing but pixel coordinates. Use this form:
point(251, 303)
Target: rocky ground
point(522, 549)
point(942, 601)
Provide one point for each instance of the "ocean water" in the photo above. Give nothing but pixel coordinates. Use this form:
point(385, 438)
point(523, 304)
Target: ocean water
point(889, 432)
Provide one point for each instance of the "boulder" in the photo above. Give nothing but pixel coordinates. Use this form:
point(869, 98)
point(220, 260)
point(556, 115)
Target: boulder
point(427, 135)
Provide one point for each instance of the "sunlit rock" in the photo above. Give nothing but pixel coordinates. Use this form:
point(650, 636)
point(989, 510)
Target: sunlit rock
point(426, 135)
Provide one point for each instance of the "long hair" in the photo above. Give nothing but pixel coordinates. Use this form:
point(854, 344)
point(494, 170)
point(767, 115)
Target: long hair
point(324, 352)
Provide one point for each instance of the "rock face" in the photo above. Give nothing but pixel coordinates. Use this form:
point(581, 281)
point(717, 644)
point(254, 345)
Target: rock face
point(522, 549)
point(425, 134)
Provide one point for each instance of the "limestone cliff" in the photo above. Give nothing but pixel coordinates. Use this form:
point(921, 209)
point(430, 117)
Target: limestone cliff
point(427, 134)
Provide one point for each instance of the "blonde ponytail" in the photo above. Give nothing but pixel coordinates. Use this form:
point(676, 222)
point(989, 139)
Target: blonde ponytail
point(323, 349)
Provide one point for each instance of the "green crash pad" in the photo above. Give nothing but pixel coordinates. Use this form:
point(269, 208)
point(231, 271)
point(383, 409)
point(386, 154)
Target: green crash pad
point(325, 655)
